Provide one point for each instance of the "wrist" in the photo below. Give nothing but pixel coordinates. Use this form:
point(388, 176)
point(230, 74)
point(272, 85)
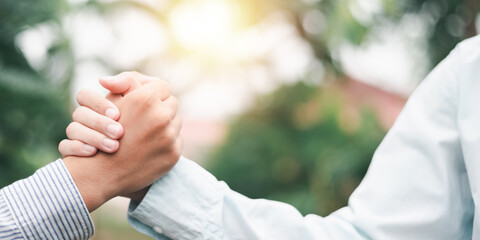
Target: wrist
point(90, 180)
point(138, 195)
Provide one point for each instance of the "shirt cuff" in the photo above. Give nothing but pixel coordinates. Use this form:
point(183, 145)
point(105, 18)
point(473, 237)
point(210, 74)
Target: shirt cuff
point(48, 205)
point(180, 204)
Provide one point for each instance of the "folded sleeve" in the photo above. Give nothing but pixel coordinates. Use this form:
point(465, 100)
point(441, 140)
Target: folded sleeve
point(46, 205)
point(190, 203)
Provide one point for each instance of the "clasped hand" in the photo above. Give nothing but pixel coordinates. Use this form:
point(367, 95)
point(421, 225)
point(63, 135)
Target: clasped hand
point(136, 130)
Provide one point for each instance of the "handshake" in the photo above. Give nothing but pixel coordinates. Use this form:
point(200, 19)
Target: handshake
point(120, 144)
point(422, 182)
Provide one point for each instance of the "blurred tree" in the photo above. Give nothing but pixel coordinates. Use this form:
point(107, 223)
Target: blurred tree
point(316, 166)
point(328, 24)
point(448, 22)
point(34, 109)
point(298, 146)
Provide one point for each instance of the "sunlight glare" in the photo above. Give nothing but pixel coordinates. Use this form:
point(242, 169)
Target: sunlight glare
point(202, 25)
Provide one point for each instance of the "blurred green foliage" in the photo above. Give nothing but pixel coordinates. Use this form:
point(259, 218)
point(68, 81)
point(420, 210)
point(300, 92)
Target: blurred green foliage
point(316, 166)
point(34, 110)
point(297, 146)
point(448, 22)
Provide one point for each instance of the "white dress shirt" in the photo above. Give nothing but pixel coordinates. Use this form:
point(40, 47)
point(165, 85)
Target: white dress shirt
point(423, 182)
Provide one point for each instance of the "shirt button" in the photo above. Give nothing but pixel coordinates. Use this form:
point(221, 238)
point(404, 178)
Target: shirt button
point(158, 230)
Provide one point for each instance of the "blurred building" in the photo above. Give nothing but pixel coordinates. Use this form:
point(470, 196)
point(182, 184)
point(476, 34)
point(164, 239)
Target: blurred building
point(386, 105)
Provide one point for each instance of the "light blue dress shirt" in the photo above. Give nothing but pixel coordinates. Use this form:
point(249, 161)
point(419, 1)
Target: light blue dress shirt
point(423, 182)
point(46, 205)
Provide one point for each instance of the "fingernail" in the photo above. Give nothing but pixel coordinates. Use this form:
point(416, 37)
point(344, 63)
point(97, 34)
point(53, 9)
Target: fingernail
point(108, 143)
point(111, 113)
point(114, 129)
point(88, 149)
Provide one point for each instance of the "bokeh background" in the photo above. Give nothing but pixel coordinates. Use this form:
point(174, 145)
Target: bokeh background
point(282, 99)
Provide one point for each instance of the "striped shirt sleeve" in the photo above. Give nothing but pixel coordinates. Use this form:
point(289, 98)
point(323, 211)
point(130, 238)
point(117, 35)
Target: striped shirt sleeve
point(8, 228)
point(46, 205)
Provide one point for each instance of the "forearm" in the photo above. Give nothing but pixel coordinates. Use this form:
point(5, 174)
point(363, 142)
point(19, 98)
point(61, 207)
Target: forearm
point(189, 203)
point(46, 205)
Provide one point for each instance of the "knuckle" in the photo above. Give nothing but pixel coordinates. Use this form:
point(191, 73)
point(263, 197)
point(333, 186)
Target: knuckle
point(150, 94)
point(130, 75)
point(175, 101)
point(166, 88)
point(134, 73)
point(177, 150)
point(145, 97)
point(63, 147)
point(82, 94)
point(167, 114)
point(71, 129)
point(76, 148)
point(163, 90)
point(162, 118)
point(172, 114)
point(170, 135)
point(96, 141)
point(97, 122)
point(77, 113)
point(180, 121)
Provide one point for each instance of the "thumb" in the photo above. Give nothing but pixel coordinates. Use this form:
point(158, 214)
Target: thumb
point(122, 83)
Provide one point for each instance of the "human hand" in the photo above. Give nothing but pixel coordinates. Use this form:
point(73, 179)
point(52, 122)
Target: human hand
point(149, 148)
point(94, 127)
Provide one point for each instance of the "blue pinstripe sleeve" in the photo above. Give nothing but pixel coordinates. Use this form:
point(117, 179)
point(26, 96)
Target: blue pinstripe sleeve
point(47, 205)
